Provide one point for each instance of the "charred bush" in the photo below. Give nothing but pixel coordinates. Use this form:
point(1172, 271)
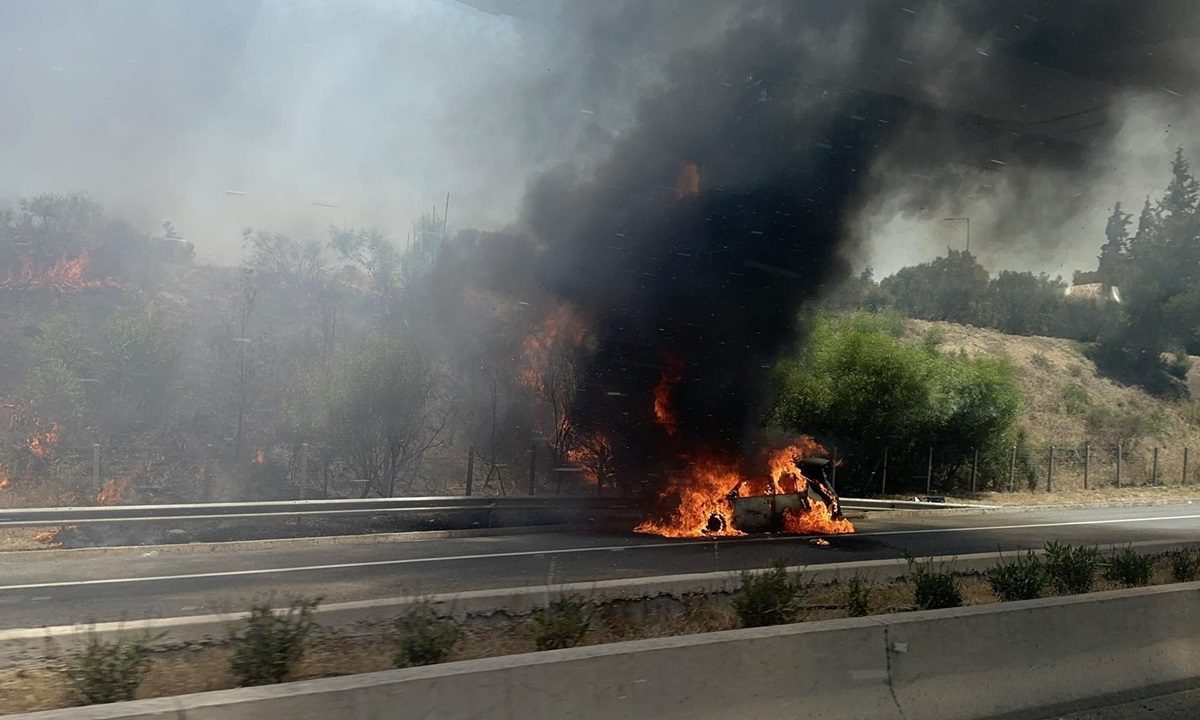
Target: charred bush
point(424, 638)
point(265, 651)
point(562, 623)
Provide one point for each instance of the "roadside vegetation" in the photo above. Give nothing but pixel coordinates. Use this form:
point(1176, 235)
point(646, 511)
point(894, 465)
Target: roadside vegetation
point(274, 646)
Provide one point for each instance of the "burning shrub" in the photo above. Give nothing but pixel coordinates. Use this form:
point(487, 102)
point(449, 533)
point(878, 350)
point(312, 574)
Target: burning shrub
point(272, 642)
point(858, 596)
point(1071, 569)
point(105, 672)
point(424, 637)
point(774, 597)
point(562, 623)
point(933, 589)
point(1022, 578)
point(1185, 565)
point(1129, 568)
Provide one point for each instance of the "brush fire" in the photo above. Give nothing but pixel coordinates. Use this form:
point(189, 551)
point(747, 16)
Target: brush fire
point(68, 275)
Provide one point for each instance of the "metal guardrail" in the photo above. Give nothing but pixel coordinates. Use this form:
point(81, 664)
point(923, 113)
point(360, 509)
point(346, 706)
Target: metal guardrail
point(38, 517)
point(46, 517)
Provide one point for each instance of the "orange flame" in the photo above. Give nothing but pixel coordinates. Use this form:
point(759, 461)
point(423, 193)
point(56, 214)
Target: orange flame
point(52, 538)
point(260, 457)
point(702, 507)
point(664, 414)
point(5, 480)
point(687, 182)
point(594, 455)
point(113, 491)
point(538, 347)
point(701, 503)
point(66, 275)
point(40, 444)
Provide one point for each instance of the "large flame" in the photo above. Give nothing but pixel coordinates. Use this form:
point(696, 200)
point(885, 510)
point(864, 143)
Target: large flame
point(66, 275)
point(700, 501)
point(593, 454)
point(538, 347)
point(40, 444)
point(664, 414)
point(687, 182)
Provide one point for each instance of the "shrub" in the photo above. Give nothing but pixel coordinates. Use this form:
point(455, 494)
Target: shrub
point(424, 637)
point(1185, 565)
point(272, 642)
point(1070, 569)
point(563, 623)
point(1038, 360)
point(858, 596)
point(933, 339)
point(1075, 400)
point(1021, 578)
point(1129, 568)
point(773, 597)
point(933, 589)
point(105, 672)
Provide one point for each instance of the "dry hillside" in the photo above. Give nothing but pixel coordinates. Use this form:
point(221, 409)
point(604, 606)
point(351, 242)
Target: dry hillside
point(1068, 404)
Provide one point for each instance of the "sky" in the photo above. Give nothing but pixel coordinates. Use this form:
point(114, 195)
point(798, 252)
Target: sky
point(291, 116)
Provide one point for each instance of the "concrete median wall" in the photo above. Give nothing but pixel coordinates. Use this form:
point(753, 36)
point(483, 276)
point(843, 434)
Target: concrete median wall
point(935, 665)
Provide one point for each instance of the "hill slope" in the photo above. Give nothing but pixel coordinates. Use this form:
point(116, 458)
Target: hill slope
point(1069, 404)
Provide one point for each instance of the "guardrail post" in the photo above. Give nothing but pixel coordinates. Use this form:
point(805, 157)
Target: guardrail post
point(1154, 468)
point(532, 466)
point(1087, 463)
point(470, 468)
point(1050, 472)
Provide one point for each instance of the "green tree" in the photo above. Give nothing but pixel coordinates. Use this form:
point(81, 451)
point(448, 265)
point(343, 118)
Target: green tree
point(1113, 253)
point(865, 390)
point(385, 413)
point(952, 288)
point(1024, 303)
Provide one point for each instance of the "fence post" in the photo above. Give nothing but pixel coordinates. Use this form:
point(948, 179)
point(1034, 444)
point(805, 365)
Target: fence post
point(303, 468)
point(1087, 463)
point(833, 471)
point(883, 482)
point(96, 464)
point(1185, 459)
point(532, 465)
point(974, 468)
point(1154, 468)
point(929, 475)
point(1118, 463)
point(1050, 472)
point(470, 468)
point(1012, 471)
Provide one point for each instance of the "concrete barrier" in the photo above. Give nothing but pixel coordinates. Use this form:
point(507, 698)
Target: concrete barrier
point(34, 645)
point(957, 664)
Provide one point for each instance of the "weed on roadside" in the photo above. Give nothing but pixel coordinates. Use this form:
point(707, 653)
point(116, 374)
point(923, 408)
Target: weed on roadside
point(773, 597)
point(563, 623)
point(424, 638)
point(265, 651)
point(105, 672)
point(1129, 568)
point(1021, 578)
point(1071, 569)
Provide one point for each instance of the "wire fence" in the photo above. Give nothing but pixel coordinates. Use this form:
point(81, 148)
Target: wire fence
point(1059, 467)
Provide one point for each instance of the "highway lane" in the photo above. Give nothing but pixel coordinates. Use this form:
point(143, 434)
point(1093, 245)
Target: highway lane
point(64, 587)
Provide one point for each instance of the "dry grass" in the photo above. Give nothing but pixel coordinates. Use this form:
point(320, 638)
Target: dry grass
point(21, 539)
point(1061, 388)
point(176, 672)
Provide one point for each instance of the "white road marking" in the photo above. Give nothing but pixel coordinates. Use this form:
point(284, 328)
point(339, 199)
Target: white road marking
point(565, 551)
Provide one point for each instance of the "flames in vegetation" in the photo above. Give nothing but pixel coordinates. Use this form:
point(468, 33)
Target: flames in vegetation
point(700, 500)
point(664, 414)
point(113, 491)
point(67, 275)
point(42, 444)
point(5, 479)
point(559, 334)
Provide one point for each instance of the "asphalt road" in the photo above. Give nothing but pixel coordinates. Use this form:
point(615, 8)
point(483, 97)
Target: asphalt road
point(79, 586)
